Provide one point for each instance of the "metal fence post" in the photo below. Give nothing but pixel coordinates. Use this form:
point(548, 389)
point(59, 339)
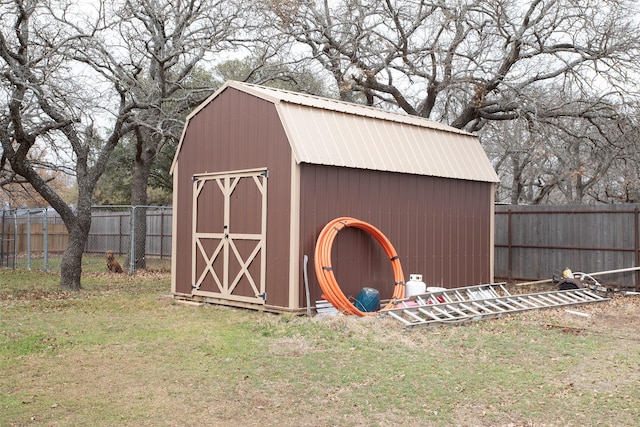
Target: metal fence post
point(636, 244)
point(45, 240)
point(15, 239)
point(162, 234)
point(2, 239)
point(28, 239)
point(509, 248)
point(132, 254)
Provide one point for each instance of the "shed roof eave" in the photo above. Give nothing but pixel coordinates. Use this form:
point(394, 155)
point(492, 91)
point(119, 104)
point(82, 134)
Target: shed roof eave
point(490, 180)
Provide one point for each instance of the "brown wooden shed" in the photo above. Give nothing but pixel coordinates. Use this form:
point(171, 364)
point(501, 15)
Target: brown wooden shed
point(260, 171)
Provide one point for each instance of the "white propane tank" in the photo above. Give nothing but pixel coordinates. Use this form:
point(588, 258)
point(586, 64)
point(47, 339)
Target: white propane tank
point(415, 286)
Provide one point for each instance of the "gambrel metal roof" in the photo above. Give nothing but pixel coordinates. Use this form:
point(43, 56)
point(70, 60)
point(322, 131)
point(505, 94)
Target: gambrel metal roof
point(336, 133)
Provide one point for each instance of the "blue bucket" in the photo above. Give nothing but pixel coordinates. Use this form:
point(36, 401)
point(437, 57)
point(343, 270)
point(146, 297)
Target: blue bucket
point(368, 300)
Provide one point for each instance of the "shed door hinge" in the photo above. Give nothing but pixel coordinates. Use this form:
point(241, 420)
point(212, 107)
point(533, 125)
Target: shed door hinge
point(265, 174)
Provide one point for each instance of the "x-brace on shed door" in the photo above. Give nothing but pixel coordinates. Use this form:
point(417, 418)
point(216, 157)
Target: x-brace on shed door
point(229, 235)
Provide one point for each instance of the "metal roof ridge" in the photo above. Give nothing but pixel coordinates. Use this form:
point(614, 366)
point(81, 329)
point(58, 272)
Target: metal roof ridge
point(277, 96)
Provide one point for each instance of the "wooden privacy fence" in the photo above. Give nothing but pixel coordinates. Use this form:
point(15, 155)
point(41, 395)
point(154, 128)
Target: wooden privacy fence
point(535, 242)
point(56, 234)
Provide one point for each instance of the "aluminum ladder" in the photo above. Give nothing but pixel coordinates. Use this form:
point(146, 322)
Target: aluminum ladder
point(453, 306)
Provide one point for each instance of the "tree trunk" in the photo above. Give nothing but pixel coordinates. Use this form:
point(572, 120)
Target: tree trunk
point(71, 266)
point(146, 149)
point(139, 201)
point(517, 185)
point(78, 226)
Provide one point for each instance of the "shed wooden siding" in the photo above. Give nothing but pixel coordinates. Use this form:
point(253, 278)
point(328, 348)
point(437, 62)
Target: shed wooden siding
point(237, 132)
point(441, 228)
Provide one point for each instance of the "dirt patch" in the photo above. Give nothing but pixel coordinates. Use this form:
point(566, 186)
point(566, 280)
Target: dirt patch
point(565, 329)
point(618, 317)
point(290, 346)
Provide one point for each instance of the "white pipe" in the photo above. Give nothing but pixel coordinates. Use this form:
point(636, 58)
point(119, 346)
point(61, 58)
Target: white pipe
point(598, 273)
point(621, 270)
point(537, 282)
point(578, 313)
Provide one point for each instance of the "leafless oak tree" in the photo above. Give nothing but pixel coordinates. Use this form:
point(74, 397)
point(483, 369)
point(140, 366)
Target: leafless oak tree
point(50, 100)
point(563, 68)
point(162, 43)
point(77, 79)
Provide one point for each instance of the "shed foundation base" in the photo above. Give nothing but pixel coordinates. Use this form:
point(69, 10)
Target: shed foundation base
point(199, 300)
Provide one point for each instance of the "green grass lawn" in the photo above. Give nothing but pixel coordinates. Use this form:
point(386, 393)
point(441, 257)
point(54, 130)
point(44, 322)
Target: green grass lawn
point(123, 353)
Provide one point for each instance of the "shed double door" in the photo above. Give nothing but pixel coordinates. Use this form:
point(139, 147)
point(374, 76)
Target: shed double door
point(229, 235)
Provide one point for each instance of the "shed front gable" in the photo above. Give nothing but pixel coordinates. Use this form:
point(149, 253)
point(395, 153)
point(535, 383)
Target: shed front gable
point(236, 133)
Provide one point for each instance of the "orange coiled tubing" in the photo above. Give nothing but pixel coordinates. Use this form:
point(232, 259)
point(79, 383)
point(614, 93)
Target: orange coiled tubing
point(322, 261)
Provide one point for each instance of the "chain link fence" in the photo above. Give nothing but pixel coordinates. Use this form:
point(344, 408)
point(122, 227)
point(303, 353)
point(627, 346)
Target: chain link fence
point(138, 236)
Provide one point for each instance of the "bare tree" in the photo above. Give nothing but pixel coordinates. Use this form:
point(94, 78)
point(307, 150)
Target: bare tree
point(170, 41)
point(620, 180)
point(564, 69)
point(49, 104)
point(564, 163)
point(163, 43)
point(467, 62)
point(79, 80)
